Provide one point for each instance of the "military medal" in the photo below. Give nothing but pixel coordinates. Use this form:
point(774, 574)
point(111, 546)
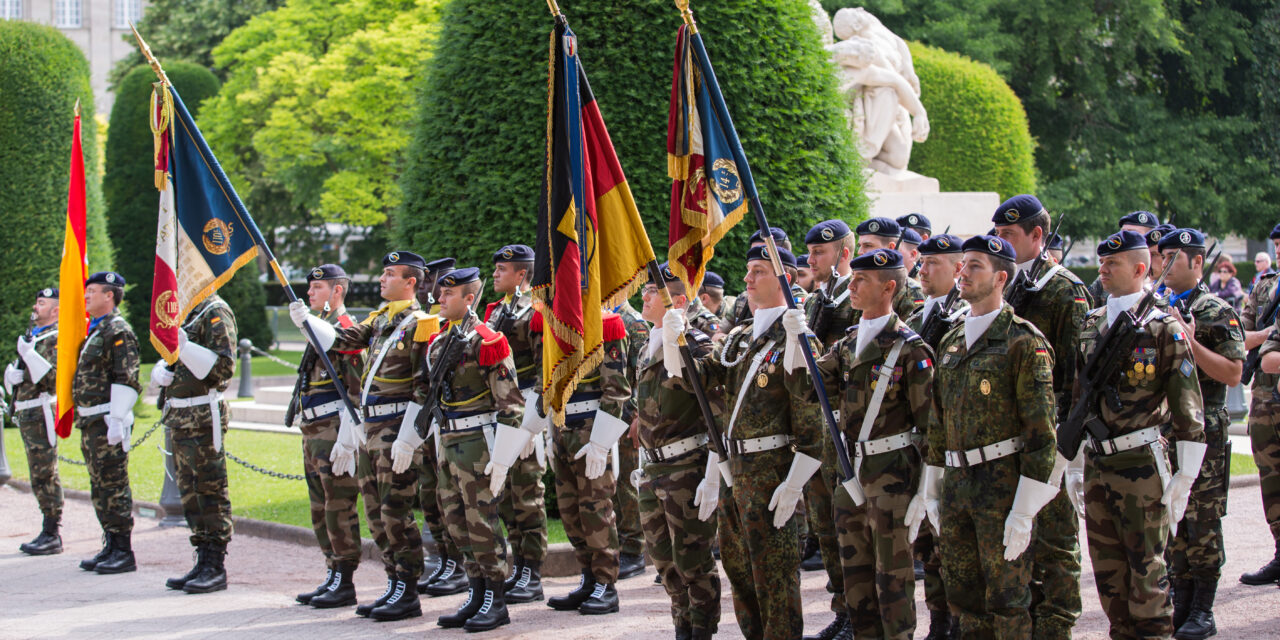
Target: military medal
point(1151, 369)
point(762, 380)
point(985, 387)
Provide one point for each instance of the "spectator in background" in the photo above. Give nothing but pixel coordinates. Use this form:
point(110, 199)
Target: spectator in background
point(1261, 263)
point(1224, 283)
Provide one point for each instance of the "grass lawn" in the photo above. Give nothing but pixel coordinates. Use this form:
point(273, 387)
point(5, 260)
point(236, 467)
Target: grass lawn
point(1242, 465)
point(253, 495)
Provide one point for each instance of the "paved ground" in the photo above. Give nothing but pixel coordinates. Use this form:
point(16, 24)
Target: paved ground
point(51, 598)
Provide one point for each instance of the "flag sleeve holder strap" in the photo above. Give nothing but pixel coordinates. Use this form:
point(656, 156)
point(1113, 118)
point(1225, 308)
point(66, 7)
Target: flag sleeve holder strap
point(252, 227)
point(748, 182)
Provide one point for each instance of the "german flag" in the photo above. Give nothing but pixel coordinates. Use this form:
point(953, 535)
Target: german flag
point(591, 248)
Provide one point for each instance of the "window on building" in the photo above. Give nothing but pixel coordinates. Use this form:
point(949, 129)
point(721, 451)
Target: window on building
point(68, 14)
point(127, 11)
point(10, 9)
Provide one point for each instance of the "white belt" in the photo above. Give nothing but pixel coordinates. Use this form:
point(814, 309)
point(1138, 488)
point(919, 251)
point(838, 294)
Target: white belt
point(988, 453)
point(214, 400)
point(471, 422)
point(44, 399)
point(45, 403)
point(322, 411)
point(677, 448)
point(95, 410)
point(378, 410)
point(880, 445)
point(585, 406)
point(757, 445)
point(1139, 438)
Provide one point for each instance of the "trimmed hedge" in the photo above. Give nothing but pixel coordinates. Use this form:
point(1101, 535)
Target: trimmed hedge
point(979, 139)
point(475, 167)
point(42, 73)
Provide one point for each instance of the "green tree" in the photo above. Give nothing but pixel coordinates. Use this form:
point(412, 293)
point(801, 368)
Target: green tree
point(474, 170)
point(43, 74)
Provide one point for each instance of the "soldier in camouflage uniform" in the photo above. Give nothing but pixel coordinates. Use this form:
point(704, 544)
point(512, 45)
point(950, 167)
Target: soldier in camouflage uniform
point(104, 389)
point(33, 392)
point(473, 392)
point(740, 308)
point(881, 377)
point(711, 296)
point(1198, 551)
point(939, 263)
point(768, 430)
point(396, 337)
point(1141, 222)
point(1055, 301)
point(333, 492)
point(680, 483)
point(584, 484)
point(1128, 475)
point(992, 426)
point(884, 233)
point(626, 502)
point(523, 507)
point(918, 223)
point(702, 319)
point(1264, 413)
point(196, 416)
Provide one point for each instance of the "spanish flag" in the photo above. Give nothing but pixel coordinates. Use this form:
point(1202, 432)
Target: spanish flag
point(72, 321)
point(591, 249)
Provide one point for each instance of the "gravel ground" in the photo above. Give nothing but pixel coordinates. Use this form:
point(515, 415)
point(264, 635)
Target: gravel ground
point(50, 597)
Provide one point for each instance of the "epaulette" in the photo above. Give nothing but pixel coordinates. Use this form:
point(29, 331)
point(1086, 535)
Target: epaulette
point(535, 323)
point(428, 325)
point(488, 309)
point(614, 327)
point(493, 346)
point(345, 321)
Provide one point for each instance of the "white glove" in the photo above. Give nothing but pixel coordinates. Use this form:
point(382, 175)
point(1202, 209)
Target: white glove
point(1030, 497)
point(673, 326)
point(325, 333)
point(407, 440)
point(1073, 484)
point(161, 376)
point(925, 503)
point(12, 376)
point(795, 324)
point(531, 421)
point(507, 443)
point(115, 430)
point(529, 449)
point(120, 418)
point(1178, 490)
point(37, 366)
point(199, 360)
point(793, 321)
point(342, 458)
point(298, 312)
point(707, 497)
point(637, 478)
point(24, 347)
point(605, 431)
point(788, 494)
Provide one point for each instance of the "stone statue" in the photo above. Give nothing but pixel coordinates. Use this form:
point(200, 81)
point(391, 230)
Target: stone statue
point(823, 21)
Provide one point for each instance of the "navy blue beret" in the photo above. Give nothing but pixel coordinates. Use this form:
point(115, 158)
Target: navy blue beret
point(1016, 209)
point(1141, 218)
point(778, 235)
point(326, 272)
point(406, 258)
point(909, 236)
point(878, 260)
point(827, 231)
point(667, 274)
point(761, 252)
point(1055, 242)
point(802, 261)
point(941, 243)
point(459, 277)
point(47, 292)
point(106, 277)
point(991, 245)
point(1153, 236)
point(1122, 241)
point(886, 227)
point(712, 279)
point(439, 264)
point(1182, 239)
point(916, 221)
point(1275, 232)
point(511, 253)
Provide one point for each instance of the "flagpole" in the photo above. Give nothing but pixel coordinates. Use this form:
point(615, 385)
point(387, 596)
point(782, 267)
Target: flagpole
point(749, 183)
point(255, 233)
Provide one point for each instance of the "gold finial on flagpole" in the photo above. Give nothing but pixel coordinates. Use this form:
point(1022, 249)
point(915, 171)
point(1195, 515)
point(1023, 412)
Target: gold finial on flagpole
point(151, 59)
point(555, 8)
point(77, 107)
point(687, 14)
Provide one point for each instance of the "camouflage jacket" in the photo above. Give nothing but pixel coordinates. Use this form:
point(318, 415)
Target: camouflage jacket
point(668, 408)
point(959, 308)
point(851, 380)
point(1272, 395)
point(610, 382)
point(46, 344)
point(514, 317)
point(701, 319)
point(315, 386)
point(1166, 391)
point(109, 356)
point(637, 337)
point(1255, 305)
point(1000, 389)
point(728, 312)
point(1218, 330)
point(397, 378)
point(212, 326)
point(483, 379)
point(1058, 311)
point(841, 315)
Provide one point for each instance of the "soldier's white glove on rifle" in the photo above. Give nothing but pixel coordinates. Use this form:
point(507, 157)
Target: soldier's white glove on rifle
point(797, 327)
point(325, 333)
point(161, 376)
point(1030, 497)
point(673, 326)
point(925, 503)
point(787, 495)
point(119, 418)
point(605, 431)
point(37, 366)
point(707, 496)
point(12, 377)
point(507, 444)
point(407, 440)
point(1178, 490)
point(342, 458)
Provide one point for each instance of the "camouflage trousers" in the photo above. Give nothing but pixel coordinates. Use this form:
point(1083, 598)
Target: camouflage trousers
point(1055, 570)
point(679, 543)
point(108, 466)
point(201, 473)
point(876, 560)
point(334, 514)
point(429, 501)
point(42, 463)
point(1198, 551)
point(626, 502)
point(1127, 527)
point(1264, 436)
point(388, 500)
point(821, 525)
point(761, 561)
point(989, 594)
point(925, 551)
point(470, 509)
point(523, 509)
point(586, 506)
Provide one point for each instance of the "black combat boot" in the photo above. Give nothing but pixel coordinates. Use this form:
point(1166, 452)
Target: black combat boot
point(341, 591)
point(402, 604)
point(213, 575)
point(701, 634)
point(364, 609)
point(1199, 624)
point(45, 544)
point(832, 631)
point(452, 579)
point(493, 609)
point(604, 599)
point(120, 559)
point(630, 565)
point(516, 563)
point(939, 625)
point(811, 555)
point(571, 600)
point(684, 632)
point(528, 584)
point(302, 598)
point(91, 563)
point(432, 565)
point(1269, 573)
point(475, 599)
point(201, 558)
point(1182, 592)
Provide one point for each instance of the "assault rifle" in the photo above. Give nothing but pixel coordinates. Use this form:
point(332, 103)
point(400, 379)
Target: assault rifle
point(1021, 290)
point(1097, 378)
point(820, 314)
point(451, 353)
point(1266, 320)
point(935, 325)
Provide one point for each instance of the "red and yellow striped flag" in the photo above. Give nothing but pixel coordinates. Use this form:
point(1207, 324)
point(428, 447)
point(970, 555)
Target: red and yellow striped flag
point(72, 322)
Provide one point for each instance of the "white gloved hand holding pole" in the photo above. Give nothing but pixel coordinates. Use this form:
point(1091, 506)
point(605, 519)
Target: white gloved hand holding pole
point(797, 327)
point(1178, 490)
point(788, 494)
point(707, 496)
point(605, 431)
point(673, 326)
point(325, 333)
point(407, 440)
point(1030, 497)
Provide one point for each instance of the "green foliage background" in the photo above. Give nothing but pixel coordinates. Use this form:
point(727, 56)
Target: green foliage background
point(42, 74)
point(979, 140)
point(475, 166)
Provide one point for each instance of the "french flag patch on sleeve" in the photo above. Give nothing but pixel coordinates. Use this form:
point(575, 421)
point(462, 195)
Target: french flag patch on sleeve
point(925, 364)
point(1178, 336)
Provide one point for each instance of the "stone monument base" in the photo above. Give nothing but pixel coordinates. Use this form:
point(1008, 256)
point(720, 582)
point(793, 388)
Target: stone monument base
point(968, 213)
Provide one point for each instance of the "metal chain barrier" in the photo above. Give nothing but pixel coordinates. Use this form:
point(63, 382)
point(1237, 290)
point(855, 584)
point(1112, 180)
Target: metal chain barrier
point(276, 359)
point(139, 441)
point(266, 472)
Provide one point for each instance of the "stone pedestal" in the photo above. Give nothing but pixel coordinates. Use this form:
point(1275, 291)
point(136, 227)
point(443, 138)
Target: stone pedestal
point(968, 213)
